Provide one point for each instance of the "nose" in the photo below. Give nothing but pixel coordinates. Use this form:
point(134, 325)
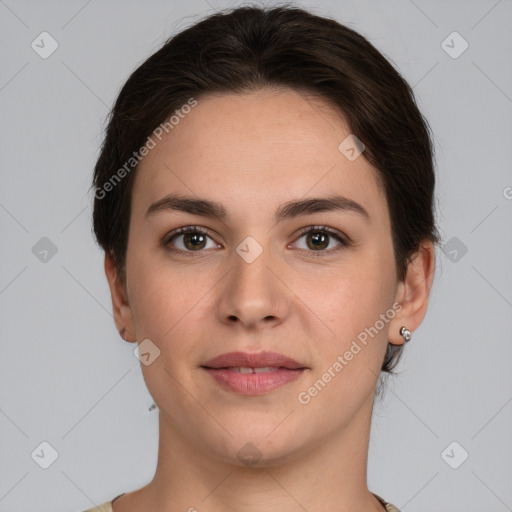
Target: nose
point(253, 295)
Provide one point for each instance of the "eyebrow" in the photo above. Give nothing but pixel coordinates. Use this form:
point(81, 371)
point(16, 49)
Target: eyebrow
point(289, 210)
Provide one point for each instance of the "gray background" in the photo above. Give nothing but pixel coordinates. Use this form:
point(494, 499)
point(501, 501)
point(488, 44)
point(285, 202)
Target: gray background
point(68, 379)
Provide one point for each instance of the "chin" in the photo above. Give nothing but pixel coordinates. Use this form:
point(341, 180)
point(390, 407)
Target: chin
point(259, 451)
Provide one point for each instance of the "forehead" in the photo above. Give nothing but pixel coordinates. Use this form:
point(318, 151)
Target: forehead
point(256, 150)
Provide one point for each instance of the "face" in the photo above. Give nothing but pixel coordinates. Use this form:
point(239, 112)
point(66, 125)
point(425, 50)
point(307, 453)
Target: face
point(314, 283)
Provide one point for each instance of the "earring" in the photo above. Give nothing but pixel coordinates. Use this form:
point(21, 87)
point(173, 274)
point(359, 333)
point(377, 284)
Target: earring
point(405, 333)
point(121, 333)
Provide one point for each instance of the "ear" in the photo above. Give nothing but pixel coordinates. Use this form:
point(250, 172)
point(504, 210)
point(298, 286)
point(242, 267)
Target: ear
point(122, 311)
point(413, 293)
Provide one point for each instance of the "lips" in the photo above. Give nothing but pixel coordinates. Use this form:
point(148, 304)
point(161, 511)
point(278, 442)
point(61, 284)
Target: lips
point(244, 361)
point(253, 374)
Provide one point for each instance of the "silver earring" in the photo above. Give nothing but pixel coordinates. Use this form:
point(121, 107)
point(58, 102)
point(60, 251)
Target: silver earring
point(121, 333)
point(405, 333)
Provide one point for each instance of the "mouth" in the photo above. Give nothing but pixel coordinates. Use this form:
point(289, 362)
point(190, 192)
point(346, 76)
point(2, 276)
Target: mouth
point(249, 369)
point(253, 374)
point(246, 361)
point(253, 381)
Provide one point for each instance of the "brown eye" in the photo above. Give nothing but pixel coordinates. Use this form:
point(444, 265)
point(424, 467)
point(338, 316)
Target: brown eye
point(318, 239)
point(188, 239)
point(194, 241)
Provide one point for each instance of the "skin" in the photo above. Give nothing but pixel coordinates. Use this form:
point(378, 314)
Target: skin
point(253, 152)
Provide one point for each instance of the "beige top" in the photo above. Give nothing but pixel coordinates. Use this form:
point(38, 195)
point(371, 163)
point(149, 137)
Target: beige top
point(107, 507)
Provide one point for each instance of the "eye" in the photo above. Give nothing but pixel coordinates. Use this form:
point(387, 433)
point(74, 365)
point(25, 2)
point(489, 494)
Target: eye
point(188, 239)
point(319, 238)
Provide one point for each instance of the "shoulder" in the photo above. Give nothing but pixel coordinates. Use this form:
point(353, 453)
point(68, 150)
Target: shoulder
point(104, 507)
point(389, 506)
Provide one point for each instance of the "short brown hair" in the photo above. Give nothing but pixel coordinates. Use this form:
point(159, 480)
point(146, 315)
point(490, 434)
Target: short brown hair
point(249, 48)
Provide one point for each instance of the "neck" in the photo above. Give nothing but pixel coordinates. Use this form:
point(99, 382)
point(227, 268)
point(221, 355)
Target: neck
point(329, 475)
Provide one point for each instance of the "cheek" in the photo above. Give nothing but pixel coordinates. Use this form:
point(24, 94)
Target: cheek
point(173, 306)
point(165, 309)
point(350, 297)
point(159, 296)
point(355, 306)
point(349, 359)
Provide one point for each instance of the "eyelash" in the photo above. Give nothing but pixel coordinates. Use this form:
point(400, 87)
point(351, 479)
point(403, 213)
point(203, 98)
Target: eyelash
point(344, 242)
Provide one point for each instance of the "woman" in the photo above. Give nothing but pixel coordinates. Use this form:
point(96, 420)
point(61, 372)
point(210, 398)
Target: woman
point(264, 197)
